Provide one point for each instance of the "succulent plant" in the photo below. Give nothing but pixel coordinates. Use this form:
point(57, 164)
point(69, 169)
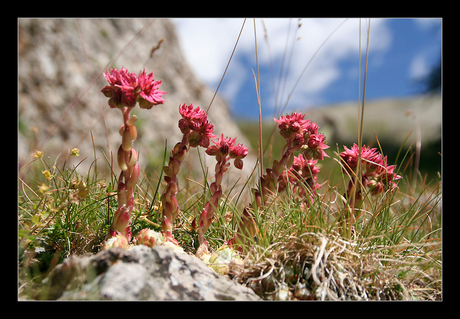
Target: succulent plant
point(149, 237)
point(222, 260)
point(116, 241)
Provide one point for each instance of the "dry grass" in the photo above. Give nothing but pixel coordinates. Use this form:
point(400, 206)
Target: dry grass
point(315, 266)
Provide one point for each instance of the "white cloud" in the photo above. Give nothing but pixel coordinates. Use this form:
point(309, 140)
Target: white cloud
point(428, 23)
point(419, 67)
point(208, 43)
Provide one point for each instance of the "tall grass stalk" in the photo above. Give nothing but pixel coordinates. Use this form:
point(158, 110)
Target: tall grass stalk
point(261, 151)
point(357, 176)
point(225, 71)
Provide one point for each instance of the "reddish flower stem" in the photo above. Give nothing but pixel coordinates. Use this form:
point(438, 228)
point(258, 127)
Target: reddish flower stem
point(197, 132)
point(125, 89)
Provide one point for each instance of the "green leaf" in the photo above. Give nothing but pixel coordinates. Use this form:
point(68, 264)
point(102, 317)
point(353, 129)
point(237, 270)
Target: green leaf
point(36, 220)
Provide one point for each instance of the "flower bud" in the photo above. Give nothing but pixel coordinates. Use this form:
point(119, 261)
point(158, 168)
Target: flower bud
point(149, 238)
point(121, 130)
point(238, 163)
point(168, 172)
point(179, 153)
point(121, 196)
point(213, 187)
point(75, 152)
point(175, 208)
point(204, 141)
point(193, 226)
point(121, 159)
point(132, 158)
point(193, 138)
point(116, 241)
point(166, 226)
point(184, 126)
point(133, 132)
point(126, 141)
point(132, 181)
point(174, 165)
point(116, 219)
point(212, 150)
point(132, 120)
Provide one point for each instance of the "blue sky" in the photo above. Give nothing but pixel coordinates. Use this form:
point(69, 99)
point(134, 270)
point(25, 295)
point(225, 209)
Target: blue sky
point(401, 51)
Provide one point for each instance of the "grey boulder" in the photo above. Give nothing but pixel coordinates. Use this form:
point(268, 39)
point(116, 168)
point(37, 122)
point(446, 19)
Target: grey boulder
point(141, 273)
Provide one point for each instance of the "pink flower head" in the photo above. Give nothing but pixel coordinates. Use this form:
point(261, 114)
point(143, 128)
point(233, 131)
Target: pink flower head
point(238, 152)
point(115, 76)
point(149, 94)
point(205, 134)
point(126, 88)
point(129, 81)
point(372, 161)
point(292, 125)
point(377, 175)
point(194, 124)
point(120, 94)
point(386, 173)
point(312, 128)
point(303, 171)
point(370, 157)
point(316, 147)
point(226, 147)
point(192, 118)
point(350, 156)
point(305, 167)
point(306, 171)
point(383, 179)
point(221, 147)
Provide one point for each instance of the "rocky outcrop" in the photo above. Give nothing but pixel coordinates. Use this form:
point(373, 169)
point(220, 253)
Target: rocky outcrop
point(60, 77)
point(142, 273)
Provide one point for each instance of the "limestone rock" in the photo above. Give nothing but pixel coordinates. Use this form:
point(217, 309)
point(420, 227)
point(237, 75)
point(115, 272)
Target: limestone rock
point(142, 273)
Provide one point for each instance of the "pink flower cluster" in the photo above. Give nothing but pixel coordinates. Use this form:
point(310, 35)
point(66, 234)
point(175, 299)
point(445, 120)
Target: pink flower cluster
point(302, 134)
point(298, 173)
point(301, 176)
point(195, 126)
point(226, 146)
point(197, 131)
point(223, 149)
point(377, 175)
point(126, 88)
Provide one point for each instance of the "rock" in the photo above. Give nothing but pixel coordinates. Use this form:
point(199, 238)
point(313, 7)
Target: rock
point(60, 65)
point(141, 273)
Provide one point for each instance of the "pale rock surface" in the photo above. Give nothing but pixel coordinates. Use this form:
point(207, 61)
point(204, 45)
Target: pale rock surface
point(142, 273)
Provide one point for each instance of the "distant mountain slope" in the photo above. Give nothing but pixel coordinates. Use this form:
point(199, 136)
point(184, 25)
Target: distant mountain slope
point(391, 119)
